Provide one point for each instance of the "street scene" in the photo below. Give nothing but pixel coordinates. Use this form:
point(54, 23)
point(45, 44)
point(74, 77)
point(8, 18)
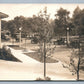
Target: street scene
point(41, 42)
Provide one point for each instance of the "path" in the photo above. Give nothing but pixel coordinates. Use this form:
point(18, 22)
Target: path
point(22, 57)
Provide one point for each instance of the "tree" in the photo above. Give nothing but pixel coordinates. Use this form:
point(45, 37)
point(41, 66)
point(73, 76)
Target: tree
point(76, 61)
point(76, 11)
point(19, 20)
point(4, 25)
point(77, 57)
point(11, 27)
point(45, 33)
point(78, 20)
point(61, 22)
point(14, 25)
point(75, 19)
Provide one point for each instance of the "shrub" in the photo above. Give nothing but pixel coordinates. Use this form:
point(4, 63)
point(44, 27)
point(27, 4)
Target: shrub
point(5, 54)
point(44, 79)
point(74, 44)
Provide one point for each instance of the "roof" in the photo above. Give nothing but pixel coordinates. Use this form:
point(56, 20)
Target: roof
point(2, 15)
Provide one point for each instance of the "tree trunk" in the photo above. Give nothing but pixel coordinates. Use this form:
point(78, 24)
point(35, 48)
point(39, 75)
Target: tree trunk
point(77, 75)
point(44, 59)
point(78, 67)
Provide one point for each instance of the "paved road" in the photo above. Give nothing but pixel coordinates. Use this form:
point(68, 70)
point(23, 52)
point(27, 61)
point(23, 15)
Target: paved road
point(31, 71)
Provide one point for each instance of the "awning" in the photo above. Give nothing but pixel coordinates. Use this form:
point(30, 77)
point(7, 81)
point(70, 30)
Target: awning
point(2, 15)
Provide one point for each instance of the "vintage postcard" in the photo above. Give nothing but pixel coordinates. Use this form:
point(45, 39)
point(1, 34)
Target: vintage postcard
point(41, 42)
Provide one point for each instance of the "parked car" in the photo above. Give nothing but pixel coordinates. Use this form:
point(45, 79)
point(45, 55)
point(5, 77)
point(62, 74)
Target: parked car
point(34, 40)
point(61, 41)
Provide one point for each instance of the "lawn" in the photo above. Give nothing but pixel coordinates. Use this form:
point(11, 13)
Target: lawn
point(16, 47)
point(61, 53)
point(37, 56)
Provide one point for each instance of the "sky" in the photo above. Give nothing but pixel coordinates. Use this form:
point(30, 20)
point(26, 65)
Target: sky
point(27, 10)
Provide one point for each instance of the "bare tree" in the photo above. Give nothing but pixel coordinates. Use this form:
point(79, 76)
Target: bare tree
point(76, 62)
point(45, 36)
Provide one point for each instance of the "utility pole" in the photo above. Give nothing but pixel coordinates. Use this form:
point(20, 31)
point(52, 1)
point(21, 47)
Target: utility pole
point(20, 36)
point(68, 37)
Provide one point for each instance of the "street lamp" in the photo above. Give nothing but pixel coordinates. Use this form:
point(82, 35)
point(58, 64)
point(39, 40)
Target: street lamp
point(68, 36)
point(2, 15)
point(26, 43)
point(20, 36)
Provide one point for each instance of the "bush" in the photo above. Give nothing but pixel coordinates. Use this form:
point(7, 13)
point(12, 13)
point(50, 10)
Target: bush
point(74, 44)
point(5, 54)
point(43, 79)
point(47, 78)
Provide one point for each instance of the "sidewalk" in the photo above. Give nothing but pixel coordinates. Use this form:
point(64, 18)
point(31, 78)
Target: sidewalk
point(22, 57)
point(30, 71)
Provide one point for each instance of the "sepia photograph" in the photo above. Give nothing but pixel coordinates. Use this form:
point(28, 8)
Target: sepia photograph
point(41, 42)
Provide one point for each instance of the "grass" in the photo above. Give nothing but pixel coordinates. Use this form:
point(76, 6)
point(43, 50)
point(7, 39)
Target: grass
point(37, 56)
point(16, 47)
